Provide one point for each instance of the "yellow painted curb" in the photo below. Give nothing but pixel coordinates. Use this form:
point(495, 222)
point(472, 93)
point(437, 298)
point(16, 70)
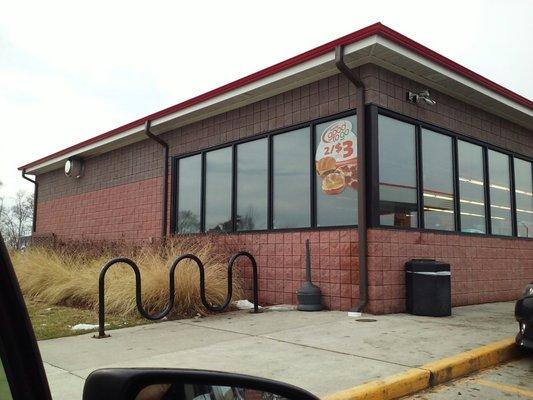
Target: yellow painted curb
point(432, 374)
point(470, 361)
point(392, 387)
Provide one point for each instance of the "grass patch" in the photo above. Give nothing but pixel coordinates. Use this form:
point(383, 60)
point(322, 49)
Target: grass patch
point(56, 321)
point(67, 275)
point(5, 392)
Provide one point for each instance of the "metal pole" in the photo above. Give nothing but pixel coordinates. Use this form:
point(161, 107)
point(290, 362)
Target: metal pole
point(361, 167)
point(307, 261)
point(35, 196)
point(255, 276)
point(164, 187)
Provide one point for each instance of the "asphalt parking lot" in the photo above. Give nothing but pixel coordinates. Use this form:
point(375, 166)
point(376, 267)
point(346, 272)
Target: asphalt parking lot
point(513, 380)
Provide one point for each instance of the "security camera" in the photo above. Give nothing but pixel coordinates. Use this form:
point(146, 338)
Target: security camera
point(417, 97)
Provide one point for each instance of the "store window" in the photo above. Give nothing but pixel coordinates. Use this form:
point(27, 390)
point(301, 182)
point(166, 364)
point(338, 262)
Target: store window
point(500, 194)
point(189, 194)
point(471, 187)
point(291, 179)
point(437, 170)
point(218, 188)
point(252, 185)
point(336, 172)
point(524, 197)
point(397, 173)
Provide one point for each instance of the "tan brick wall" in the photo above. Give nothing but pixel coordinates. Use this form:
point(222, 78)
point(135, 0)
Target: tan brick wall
point(319, 99)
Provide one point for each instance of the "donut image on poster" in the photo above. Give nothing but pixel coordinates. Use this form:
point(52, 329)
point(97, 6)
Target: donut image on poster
point(336, 158)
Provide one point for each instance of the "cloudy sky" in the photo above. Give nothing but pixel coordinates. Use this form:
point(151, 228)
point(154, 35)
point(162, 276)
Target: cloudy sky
point(71, 70)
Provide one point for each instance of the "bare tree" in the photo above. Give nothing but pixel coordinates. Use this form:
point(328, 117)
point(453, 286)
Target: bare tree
point(16, 219)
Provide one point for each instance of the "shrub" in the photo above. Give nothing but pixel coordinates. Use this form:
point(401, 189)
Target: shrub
point(67, 274)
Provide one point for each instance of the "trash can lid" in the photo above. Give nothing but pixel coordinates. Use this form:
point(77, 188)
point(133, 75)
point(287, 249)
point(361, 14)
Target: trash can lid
point(426, 265)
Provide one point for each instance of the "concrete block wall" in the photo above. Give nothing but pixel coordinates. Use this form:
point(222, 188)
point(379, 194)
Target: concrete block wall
point(118, 198)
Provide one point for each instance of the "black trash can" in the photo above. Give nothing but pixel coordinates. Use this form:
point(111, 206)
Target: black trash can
point(428, 288)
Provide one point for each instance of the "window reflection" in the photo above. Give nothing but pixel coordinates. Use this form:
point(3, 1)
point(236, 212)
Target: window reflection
point(524, 197)
point(397, 173)
point(291, 179)
point(218, 190)
point(252, 185)
point(199, 391)
point(471, 187)
point(189, 194)
point(500, 194)
point(437, 169)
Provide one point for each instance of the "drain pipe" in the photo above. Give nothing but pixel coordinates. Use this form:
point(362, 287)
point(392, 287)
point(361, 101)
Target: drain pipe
point(164, 188)
point(35, 195)
point(361, 175)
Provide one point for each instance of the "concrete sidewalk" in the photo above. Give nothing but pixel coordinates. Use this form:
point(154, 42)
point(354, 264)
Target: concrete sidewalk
point(322, 352)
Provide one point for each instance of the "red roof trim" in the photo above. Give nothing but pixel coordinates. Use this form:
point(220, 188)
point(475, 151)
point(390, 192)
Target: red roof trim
point(375, 29)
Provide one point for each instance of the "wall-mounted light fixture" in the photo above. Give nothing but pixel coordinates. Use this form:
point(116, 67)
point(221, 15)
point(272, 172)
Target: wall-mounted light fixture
point(74, 168)
point(420, 96)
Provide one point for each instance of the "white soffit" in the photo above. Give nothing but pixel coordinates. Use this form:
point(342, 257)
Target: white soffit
point(374, 49)
point(409, 64)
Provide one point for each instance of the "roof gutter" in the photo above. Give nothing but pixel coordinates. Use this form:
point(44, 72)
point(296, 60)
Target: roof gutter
point(164, 184)
point(35, 194)
point(361, 175)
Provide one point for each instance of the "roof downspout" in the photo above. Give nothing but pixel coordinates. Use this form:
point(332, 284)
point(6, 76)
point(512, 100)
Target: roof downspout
point(164, 186)
point(35, 194)
point(361, 168)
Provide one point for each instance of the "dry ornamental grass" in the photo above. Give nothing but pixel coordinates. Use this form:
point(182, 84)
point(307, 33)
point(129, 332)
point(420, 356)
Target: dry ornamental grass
point(68, 275)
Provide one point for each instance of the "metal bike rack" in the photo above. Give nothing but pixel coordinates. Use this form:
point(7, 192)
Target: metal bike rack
point(171, 286)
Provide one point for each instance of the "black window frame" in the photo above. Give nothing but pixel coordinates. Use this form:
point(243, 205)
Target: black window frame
point(231, 190)
point(174, 179)
point(373, 112)
point(235, 183)
point(513, 185)
point(454, 176)
point(484, 171)
point(512, 198)
point(311, 124)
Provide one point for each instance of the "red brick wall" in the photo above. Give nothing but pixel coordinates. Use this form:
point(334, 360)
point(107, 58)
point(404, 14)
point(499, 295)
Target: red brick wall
point(484, 269)
point(125, 212)
point(133, 163)
point(281, 263)
point(118, 198)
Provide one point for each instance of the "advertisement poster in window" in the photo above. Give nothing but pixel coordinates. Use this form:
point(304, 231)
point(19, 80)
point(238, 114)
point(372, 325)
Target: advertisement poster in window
point(336, 158)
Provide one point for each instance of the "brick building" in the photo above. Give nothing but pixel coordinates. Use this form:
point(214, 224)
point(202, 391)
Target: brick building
point(415, 154)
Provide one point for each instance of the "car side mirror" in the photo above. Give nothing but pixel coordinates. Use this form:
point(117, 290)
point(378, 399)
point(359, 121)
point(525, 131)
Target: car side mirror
point(185, 384)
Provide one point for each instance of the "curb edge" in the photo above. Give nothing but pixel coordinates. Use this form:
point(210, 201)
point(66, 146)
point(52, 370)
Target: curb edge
point(432, 374)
